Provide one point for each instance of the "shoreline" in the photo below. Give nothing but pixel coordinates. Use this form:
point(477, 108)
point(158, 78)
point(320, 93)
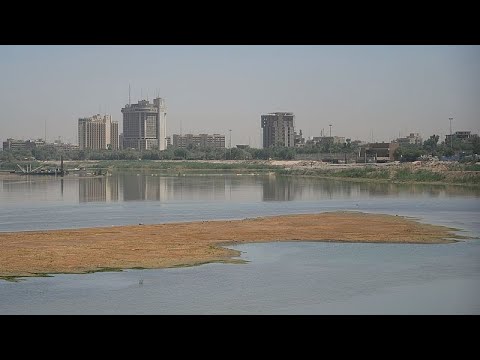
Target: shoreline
point(434, 174)
point(87, 250)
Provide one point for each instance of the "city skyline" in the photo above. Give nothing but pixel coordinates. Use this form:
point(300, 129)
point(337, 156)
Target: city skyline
point(364, 92)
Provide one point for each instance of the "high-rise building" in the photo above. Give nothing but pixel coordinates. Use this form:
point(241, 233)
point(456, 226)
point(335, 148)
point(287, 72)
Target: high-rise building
point(278, 129)
point(145, 125)
point(97, 132)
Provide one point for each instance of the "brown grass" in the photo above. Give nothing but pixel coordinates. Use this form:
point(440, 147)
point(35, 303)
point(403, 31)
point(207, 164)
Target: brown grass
point(35, 253)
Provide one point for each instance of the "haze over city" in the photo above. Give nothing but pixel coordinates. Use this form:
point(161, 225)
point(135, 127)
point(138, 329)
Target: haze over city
point(366, 92)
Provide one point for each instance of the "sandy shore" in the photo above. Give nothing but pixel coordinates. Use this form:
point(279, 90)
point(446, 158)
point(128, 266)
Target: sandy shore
point(35, 253)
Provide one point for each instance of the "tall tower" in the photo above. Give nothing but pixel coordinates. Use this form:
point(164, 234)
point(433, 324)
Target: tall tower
point(97, 132)
point(278, 129)
point(159, 103)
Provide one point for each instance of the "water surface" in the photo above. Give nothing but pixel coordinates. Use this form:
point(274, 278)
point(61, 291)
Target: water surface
point(280, 278)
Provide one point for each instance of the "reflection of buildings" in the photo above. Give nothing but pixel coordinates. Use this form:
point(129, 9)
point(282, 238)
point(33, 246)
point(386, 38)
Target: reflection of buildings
point(160, 188)
point(279, 188)
point(142, 187)
point(98, 189)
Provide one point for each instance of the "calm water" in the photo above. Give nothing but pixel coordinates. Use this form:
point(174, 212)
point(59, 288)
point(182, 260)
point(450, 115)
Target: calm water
point(281, 278)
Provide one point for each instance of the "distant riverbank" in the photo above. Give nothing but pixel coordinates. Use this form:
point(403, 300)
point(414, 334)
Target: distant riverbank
point(36, 253)
point(427, 172)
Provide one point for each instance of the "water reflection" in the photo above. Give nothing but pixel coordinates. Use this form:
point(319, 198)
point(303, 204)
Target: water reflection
point(230, 188)
point(98, 189)
point(152, 187)
point(298, 188)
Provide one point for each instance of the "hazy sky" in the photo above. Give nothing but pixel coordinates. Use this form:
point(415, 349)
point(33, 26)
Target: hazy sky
point(387, 90)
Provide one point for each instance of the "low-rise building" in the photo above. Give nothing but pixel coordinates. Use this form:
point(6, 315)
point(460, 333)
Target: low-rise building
point(322, 140)
point(299, 140)
point(13, 144)
point(412, 139)
point(200, 140)
point(377, 152)
point(460, 135)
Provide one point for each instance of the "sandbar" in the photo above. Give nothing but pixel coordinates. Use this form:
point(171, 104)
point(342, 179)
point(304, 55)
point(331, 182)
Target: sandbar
point(37, 253)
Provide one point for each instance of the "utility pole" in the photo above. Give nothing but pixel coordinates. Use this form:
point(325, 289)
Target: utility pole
point(230, 143)
point(451, 138)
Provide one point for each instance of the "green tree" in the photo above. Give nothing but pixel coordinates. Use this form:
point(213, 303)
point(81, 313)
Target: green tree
point(180, 153)
point(408, 153)
point(430, 144)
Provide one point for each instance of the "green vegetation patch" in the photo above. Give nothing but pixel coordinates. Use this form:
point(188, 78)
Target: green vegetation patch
point(418, 175)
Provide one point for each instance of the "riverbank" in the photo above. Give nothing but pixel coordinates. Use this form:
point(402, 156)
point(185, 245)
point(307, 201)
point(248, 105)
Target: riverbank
point(421, 172)
point(36, 253)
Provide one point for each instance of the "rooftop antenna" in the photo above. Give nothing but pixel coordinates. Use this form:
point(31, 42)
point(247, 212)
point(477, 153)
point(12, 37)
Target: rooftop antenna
point(45, 131)
point(141, 93)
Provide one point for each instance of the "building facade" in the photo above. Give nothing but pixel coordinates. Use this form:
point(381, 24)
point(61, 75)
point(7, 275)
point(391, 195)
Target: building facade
point(460, 135)
point(97, 133)
point(322, 140)
point(412, 139)
point(201, 140)
point(13, 144)
point(378, 152)
point(299, 140)
point(145, 125)
point(278, 129)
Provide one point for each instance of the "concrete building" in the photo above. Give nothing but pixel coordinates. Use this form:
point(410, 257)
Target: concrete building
point(97, 132)
point(13, 144)
point(145, 125)
point(201, 140)
point(322, 140)
point(120, 141)
point(299, 140)
point(377, 152)
point(460, 135)
point(412, 139)
point(278, 129)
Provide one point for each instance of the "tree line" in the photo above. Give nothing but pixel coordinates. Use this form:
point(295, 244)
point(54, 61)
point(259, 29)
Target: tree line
point(431, 146)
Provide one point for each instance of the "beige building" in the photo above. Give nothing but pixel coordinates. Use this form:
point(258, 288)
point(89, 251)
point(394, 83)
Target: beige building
point(200, 140)
point(412, 139)
point(97, 132)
